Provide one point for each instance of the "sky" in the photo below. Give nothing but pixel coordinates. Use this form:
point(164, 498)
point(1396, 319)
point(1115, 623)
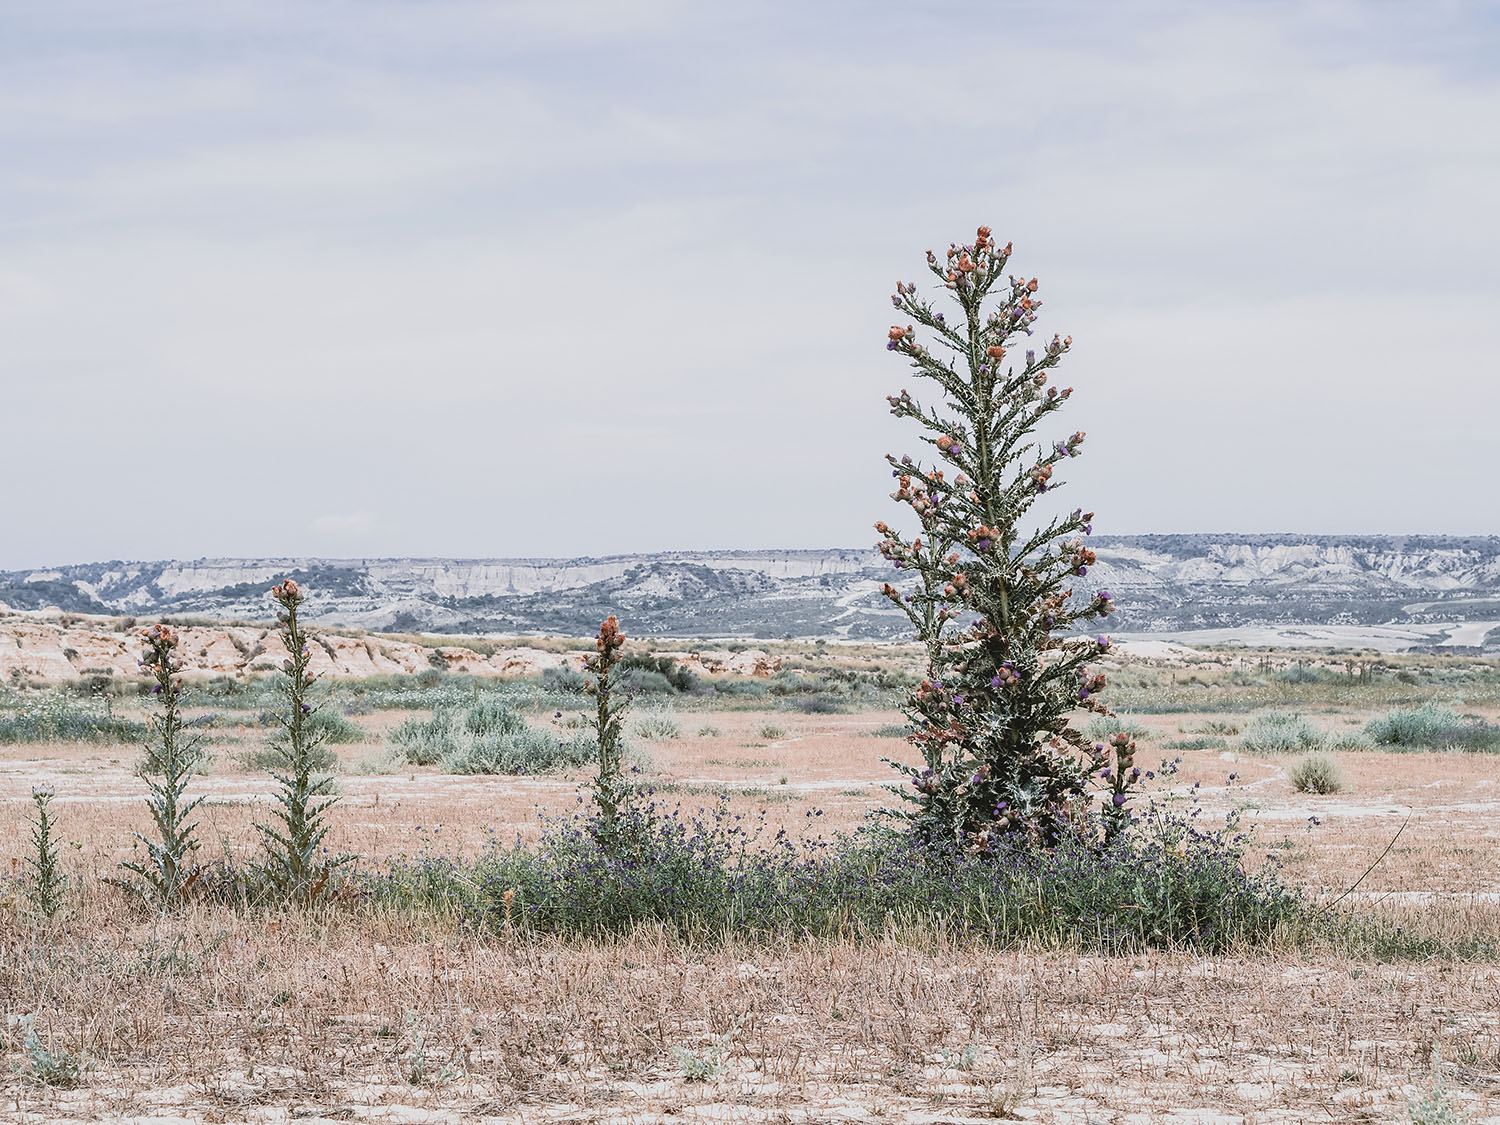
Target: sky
point(366, 278)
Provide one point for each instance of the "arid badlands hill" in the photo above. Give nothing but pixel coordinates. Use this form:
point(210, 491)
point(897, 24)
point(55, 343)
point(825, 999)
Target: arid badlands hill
point(59, 647)
point(1398, 591)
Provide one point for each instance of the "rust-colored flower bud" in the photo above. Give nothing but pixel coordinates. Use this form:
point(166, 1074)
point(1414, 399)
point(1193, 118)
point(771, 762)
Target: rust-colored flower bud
point(995, 351)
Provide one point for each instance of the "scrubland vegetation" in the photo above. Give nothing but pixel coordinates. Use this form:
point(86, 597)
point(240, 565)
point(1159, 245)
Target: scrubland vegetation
point(747, 908)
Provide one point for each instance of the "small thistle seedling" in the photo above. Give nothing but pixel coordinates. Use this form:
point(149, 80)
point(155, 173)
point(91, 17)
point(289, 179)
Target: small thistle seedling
point(611, 792)
point(47, 1068)
point(295, 866)
point(168, 870)
point(46, 885)
point(992, 717)
point(710, 1064)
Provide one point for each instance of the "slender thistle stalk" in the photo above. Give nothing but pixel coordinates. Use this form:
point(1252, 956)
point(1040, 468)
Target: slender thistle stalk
point(47, 881)
point(168, 871)
point(611, 792)
point(296, 866)
point(995, 594)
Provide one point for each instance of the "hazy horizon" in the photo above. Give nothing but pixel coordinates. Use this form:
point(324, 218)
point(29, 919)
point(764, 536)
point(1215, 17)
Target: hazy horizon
point(774, 549)
point(557, 280)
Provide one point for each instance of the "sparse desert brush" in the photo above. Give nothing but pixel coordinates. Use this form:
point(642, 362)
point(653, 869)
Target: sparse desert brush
point(713, 874)
point(296, 866)
point(1105, 726)
point(1281, 733)
point(992, 599)
point(53, 716)
point(1315, 773)
point(657, 726)
point(488, 735)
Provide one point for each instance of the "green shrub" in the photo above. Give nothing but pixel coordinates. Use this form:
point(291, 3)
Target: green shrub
point(1304, 674)
point(1164, 883)
point(1315, 773)
point(677, 677)
point(565, 678)
point(657, 726)
point(319, 758)
point(1101, 728)
point(1433, 727)
point(1281, 733)
point(523, 752)
point(644, 681)
point(1349, 740)
point(708, 731)
point(1218, 726)
point(1202, 742)
point(771, 731)
point(487, 736)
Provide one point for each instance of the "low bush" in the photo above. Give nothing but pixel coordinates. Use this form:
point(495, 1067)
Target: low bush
point(1165, 883)
point(1433, 727)
point(656, 726)
point(487, 736)
point(771, 731)
point(1281, 733)
point(255, 758)
point(1101, 728)
point(1315, 773)
point(634, 671)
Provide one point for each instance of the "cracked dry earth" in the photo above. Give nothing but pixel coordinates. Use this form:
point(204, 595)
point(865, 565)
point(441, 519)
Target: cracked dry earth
point(222, 1016)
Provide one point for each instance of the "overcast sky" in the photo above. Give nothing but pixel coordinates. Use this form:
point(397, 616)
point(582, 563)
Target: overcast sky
point(513, 279)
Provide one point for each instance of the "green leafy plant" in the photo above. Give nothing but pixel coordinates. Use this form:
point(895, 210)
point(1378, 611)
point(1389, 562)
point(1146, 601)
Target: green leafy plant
point(45, 888)
point(710, 1064)
point(168, 870)
point(296, 866)
point(657, 726)
point(43, 1065)
point(992, 600)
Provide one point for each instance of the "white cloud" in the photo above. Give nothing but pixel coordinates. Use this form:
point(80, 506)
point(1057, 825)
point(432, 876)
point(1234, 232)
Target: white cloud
point(533, 279)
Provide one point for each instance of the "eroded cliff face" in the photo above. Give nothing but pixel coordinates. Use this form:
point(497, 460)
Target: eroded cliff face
point(58, 647)
point(1161, 582)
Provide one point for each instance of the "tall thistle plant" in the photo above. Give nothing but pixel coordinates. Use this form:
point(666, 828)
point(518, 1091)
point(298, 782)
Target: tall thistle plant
point(611, 792)
point(296, 867)
point(994, 602)
point(167, 871)
point(45, 889)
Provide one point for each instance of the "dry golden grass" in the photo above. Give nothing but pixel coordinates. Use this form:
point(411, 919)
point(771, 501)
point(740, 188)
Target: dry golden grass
point(219, 1015)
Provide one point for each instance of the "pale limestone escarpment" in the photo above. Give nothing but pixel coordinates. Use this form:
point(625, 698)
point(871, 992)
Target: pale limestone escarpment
point(58, 648)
